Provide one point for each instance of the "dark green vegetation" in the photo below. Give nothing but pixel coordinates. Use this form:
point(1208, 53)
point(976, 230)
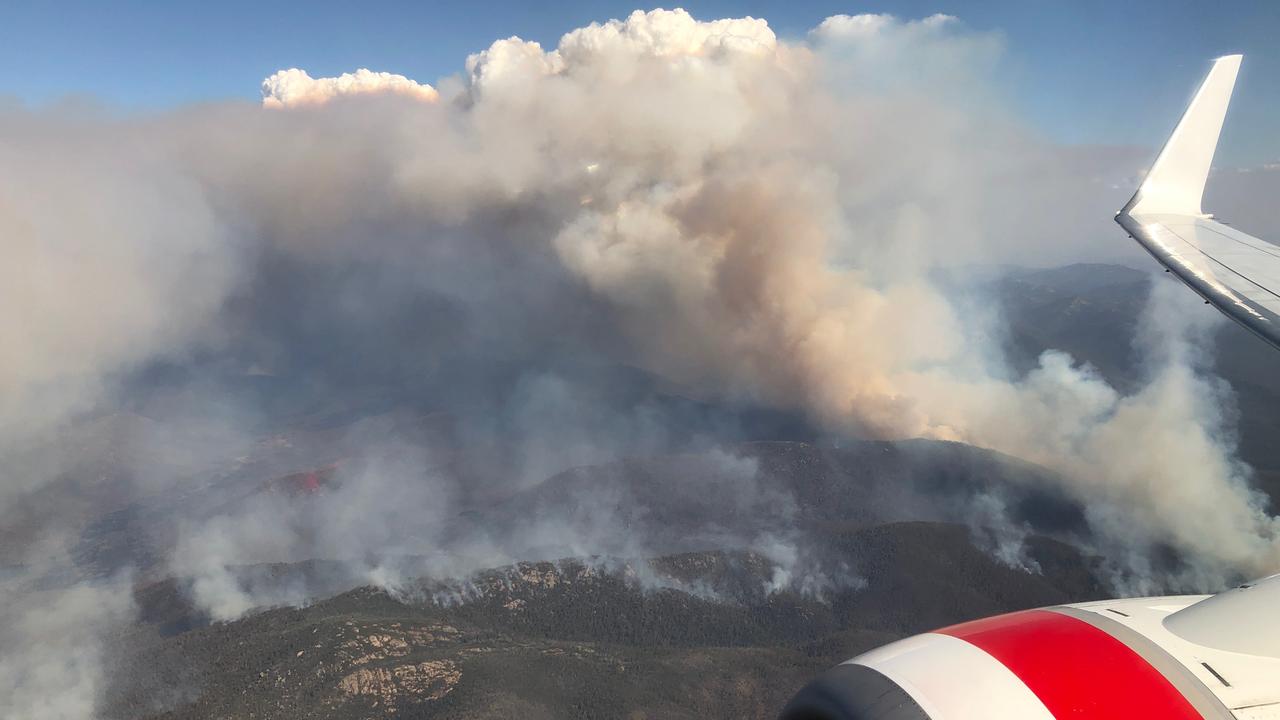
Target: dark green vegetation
point(547, 640)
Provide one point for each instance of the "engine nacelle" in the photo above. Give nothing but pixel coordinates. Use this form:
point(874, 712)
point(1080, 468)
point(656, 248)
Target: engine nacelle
point(1172, 658)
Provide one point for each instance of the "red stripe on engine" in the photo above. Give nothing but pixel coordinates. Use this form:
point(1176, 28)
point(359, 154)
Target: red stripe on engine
point(1077, 671)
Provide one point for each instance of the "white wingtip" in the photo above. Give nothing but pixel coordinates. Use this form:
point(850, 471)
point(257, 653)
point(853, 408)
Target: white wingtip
point(1176, 182)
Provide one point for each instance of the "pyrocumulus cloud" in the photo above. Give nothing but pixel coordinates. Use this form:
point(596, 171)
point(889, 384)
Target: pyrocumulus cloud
point(740, 218)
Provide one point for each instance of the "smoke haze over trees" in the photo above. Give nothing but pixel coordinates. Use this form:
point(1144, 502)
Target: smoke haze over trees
point(656, 238)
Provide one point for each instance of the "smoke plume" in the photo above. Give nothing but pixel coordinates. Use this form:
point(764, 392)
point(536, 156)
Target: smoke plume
point(546, 248)
point(294, 87)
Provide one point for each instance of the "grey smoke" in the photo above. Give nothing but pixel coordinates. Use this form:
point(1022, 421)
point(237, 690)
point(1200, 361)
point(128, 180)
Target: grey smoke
point(54, 639)
point(549, 250)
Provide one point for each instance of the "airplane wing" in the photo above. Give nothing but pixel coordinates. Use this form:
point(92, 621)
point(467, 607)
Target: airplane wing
point(1187, 657)
point(1235, 272)
point(1175, 658)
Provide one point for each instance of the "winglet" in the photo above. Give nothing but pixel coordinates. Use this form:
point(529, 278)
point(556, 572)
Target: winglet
point(1175, 184)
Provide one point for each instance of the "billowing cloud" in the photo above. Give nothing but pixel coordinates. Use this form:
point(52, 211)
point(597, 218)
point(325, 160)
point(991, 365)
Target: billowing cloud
point(294, 87)
point(655, 202)
point(614, 47)
point(668, 34)
point(873, 27)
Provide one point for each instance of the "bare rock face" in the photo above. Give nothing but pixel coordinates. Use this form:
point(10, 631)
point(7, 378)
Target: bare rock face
point(385, 675)
point(388, 686)
point(393, 642)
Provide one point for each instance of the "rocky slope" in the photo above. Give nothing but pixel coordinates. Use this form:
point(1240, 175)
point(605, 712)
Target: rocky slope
point(682, 636)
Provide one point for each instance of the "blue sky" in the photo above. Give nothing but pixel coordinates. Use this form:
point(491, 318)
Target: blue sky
point(1112, 72)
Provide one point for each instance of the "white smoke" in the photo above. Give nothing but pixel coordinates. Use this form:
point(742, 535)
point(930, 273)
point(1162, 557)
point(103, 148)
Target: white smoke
point(617, 46)
point(53, 639)
point(744, 218)
point(294, 87)
point(114, 257)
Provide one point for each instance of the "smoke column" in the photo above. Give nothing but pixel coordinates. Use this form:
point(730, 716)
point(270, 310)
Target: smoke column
point(746, 219)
